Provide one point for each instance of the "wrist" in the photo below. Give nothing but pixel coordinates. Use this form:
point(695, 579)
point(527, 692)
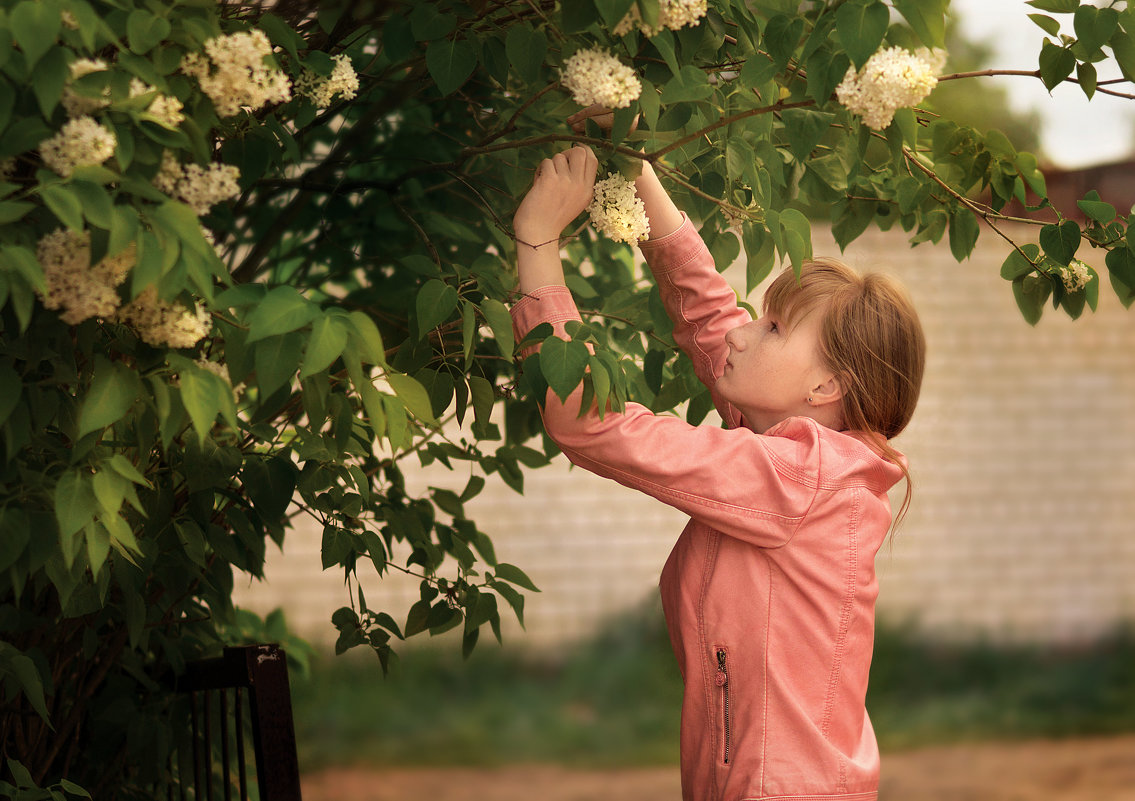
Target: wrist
point(537, 237)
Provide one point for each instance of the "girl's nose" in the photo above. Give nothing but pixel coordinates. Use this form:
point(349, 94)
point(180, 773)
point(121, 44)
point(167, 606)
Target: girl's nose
point(735, 338)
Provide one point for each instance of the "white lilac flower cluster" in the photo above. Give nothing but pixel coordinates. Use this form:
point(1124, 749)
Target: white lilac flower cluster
point(80, 142)
point(77, 105)
point(892, 78)
point(672, 14)
point(75, 287)
point(617, 212)
point(233, 73)
point(1075, 276)
point(163, 109)
point(198, 187)
point(593, 76)
point(343, 80)
point(221, 370)
point(162, 323)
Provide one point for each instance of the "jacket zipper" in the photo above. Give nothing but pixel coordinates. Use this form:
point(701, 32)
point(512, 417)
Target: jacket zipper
point(723, 683)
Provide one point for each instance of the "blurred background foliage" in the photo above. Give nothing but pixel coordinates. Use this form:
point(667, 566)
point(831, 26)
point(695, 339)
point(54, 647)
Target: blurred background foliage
point(615, 700)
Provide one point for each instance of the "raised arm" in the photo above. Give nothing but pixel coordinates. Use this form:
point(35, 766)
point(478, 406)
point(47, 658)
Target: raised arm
point(699, 301)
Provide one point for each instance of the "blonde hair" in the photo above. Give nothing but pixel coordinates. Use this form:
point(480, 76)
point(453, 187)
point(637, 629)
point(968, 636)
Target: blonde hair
point(871, 339)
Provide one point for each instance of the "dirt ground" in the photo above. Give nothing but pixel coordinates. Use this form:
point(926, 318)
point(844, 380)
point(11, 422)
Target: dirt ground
point(1101, 769)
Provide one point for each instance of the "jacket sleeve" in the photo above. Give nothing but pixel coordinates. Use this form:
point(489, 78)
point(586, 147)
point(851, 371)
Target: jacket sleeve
point(700, 302)
point(741, 483)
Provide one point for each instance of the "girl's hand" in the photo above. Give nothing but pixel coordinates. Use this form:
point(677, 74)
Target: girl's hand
point(563, 187)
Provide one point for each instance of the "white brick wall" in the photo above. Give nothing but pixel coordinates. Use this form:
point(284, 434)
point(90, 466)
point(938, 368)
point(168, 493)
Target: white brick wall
point(1021, 450)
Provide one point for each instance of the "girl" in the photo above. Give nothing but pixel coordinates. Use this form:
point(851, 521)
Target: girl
point(769, 593)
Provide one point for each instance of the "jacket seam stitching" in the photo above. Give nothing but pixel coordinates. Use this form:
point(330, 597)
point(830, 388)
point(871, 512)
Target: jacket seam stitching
point(764, 689)
point(703, 356)
point(844, 618)
point(707, 569)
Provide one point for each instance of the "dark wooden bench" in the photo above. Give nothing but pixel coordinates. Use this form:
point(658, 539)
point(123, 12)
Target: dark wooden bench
point(237, 699)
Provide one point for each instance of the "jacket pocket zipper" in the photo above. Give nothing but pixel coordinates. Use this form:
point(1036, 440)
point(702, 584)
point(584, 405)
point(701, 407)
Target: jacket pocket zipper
point(723, 682)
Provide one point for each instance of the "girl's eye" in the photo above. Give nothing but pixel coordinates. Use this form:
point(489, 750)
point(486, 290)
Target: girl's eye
point(772, 327)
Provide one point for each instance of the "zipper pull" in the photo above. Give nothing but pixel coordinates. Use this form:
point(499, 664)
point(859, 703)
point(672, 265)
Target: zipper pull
point(722, 677)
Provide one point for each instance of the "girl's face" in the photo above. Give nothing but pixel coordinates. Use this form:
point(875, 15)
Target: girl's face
point(772, 371)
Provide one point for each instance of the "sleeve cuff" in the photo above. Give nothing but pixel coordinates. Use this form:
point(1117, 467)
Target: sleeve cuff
point(546, 304)
point(675, 250)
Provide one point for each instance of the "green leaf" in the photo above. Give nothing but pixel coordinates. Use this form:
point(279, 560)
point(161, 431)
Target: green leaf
point(64, 205)
point(114, 389)
point(563, 364)
point(365, 336)
point(481, 390)
point(283, 310)
point(1056, 64)
point(468, 330)
point(1086, 75)
point(436, 300)
point(281, 33)
point(578, 15)
point(515, 575)
point(689, 85)
point(1018, 265)
point(270, 483)
point(35, 25)
point(1097, 210)
point(1046, 23)
point(202, 398)
point(1055, 6)
point(413, 395)
point(97, 205)
point(328, 338)
point(450, 62)
point(526, 48)
point(1030, 293)
point(1121, 264)
point(1123, 46)
point(13, 210)
point(797, 237)
point(75, 504)
point(964, 231)
point(781, 37)
point(50, 77)
point(1094, 26)
point(11, 388)
point(145, 31)
point(861, 25)
point(125, 468)
point(500, 321)
point(277, 359)
point(927, 18)
point(73, 788)
point(23, 669)
point(805, 128)
point(1060, 241)
point(16, 535)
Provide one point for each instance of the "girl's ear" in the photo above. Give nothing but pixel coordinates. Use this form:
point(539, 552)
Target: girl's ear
point(829, 391)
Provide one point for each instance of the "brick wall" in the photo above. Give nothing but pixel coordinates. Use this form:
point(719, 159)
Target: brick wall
point(1021, 525)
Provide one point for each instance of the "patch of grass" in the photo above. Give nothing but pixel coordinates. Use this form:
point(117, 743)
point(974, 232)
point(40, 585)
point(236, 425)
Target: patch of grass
point(616, 699)
point(922, 693)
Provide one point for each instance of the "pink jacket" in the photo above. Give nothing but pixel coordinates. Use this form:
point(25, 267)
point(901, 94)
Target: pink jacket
point(769, 592)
